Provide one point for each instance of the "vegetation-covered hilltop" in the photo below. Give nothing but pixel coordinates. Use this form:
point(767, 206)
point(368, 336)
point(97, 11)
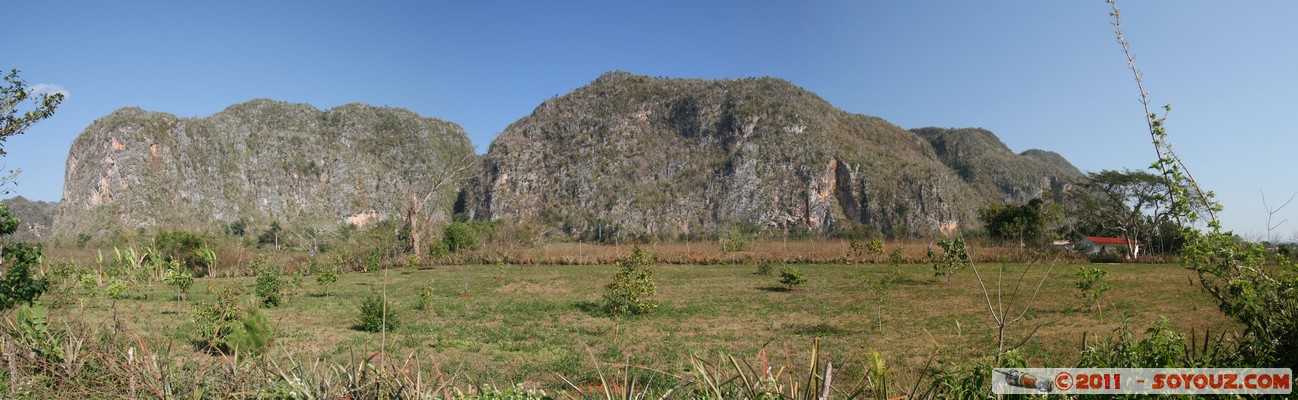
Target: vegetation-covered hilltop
point(258, 162)
point(632, 155)
point(626, 156)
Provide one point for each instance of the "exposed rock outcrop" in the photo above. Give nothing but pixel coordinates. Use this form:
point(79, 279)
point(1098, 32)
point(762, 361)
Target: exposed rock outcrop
point(258, 161)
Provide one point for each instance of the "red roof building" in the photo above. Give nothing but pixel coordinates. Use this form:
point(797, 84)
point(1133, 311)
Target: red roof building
point(1098, 244)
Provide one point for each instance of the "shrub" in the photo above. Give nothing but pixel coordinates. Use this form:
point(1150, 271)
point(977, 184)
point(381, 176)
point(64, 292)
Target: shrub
point(213, 321)
point(90, 283)
point(186, 248)
point(82, 240)
point(377, 315)
point(249, 335)
point(373, 261)
point(426, 296)
point(764, 269)
point(896, 257)
point(269, 285)
point(791, 277)
point(271, 236)
point(20, 284)
point(633, 291)
point(116, 289)
point(459, 236)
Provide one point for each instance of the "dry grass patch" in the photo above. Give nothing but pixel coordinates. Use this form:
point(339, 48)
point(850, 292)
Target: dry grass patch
point(525, 323)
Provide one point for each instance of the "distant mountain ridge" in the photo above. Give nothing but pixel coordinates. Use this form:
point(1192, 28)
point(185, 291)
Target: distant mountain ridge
point(624, 156)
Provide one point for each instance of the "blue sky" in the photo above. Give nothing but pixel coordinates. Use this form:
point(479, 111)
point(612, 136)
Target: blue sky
point(1040, 74)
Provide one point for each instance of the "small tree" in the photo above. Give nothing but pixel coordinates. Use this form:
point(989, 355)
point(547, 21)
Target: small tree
point(426, 296)
point(734, 240)
point(633, 290)
point(179, 278)
point(1026, 224)
point(1088, 283)
point(326, 277)
point(269, 284)
point(791, 277)
point(19, 283)
point(270, 235)
point(954, 258)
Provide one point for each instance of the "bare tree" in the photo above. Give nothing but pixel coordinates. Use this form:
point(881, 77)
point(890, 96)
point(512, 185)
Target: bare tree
point(1271, 212)
point(415, 221)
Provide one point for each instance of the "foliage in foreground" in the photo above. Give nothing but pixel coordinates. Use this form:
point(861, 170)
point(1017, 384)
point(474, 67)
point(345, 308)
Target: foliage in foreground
point(20, 283)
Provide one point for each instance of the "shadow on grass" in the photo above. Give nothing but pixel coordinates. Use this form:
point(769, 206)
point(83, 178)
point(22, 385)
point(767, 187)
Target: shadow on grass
point(591, 308)
point(777, 289)
point(914, 282)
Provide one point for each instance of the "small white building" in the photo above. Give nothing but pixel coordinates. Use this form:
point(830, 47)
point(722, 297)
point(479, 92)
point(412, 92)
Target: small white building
point(1107, 245)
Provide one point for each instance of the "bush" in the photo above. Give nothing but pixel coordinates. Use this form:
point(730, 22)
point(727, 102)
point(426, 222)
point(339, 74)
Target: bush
point(186, 248)
point(116, 289)
point(377, 315)
point(896, 257)
point(225, 327)
point(373, 261)
point(459, 236)
point(860, 249)
point(20, 285)
point(89, 283)
point(764, 269)
point(858, 232)
point(426, 296)
point(249, 335)
point(633, 291)
point(791, 277)
point(269, 285)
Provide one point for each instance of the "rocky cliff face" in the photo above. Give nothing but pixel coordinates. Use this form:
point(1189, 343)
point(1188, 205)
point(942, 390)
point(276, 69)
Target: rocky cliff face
point(631, 155)
point(259, 161)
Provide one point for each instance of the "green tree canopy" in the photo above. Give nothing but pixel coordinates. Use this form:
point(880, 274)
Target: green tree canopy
point(13, 97)
point(1027, 224)
point(1129, 204)
point(19, 283)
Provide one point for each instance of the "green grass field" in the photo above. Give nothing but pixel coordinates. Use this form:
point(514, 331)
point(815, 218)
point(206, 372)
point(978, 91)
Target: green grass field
point(531, 325)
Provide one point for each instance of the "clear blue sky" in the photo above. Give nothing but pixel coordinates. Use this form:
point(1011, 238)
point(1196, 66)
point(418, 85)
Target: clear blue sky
point(1040, 74)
